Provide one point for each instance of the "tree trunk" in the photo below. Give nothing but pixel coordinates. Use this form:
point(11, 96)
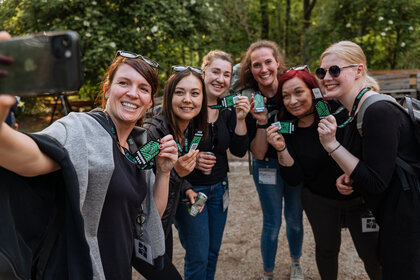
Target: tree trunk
point(264, 19)
point(286, 28)
point(308, 6)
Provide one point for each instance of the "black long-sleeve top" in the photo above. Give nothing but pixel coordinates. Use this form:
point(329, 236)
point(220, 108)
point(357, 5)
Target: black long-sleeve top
point(312, 165)
point(221, 137)
point(387, 131)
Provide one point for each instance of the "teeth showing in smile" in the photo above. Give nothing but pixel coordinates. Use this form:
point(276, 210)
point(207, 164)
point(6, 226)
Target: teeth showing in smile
point(265, 76)
point(217, 86)
point(129, 105)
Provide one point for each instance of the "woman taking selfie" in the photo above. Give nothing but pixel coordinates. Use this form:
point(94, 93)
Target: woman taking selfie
point(302, 158)
point(260, 67)
point(201, 235)
point(370, 163)
point(184, 113)
point(94, 154)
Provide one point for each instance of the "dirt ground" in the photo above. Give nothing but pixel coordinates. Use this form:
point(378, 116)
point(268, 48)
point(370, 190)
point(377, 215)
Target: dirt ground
point(240, 256)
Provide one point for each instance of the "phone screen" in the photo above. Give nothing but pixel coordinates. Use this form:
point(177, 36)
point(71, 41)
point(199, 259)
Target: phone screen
point(47, 63)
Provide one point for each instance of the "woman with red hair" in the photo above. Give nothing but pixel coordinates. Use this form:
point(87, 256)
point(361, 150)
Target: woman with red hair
point(302, 158)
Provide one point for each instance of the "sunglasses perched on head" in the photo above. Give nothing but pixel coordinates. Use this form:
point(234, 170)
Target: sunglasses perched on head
point(333, 70)
point(299, 68)
point(179, 68)
point(127, 54)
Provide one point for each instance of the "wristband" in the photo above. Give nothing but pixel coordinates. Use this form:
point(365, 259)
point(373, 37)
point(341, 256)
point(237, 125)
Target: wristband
point(263, 125)
point(336, 148)
point(279, 151)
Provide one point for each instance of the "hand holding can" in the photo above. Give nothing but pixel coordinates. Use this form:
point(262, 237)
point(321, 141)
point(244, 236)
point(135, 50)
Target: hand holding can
point(208, 172)
point(200, 200)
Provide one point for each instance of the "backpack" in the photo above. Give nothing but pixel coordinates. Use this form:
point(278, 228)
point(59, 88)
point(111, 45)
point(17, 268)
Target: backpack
point(413, 111)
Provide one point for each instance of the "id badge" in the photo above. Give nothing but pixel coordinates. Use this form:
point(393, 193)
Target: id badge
point(143, 251)
point(267, 176)
point(369, 223)
point(225, 200)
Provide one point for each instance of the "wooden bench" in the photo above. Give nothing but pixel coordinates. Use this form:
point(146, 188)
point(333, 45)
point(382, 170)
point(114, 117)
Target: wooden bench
point(398, 83)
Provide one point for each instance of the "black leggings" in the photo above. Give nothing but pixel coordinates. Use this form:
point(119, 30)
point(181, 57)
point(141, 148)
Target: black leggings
point(168, 272)
point(327, 217)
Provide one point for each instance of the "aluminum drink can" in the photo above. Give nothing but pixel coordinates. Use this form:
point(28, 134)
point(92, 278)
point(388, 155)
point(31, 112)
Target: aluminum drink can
point(208, 172)
point(200, 199)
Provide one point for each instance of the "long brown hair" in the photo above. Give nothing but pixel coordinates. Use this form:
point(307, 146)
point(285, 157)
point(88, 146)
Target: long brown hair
point(199, 122)
point(246, 77)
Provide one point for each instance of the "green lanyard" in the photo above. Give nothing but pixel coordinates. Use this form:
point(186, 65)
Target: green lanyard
point(185, 144)
point(354, 108)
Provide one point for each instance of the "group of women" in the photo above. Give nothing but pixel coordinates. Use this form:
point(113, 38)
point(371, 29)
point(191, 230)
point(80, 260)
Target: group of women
point(120, 211)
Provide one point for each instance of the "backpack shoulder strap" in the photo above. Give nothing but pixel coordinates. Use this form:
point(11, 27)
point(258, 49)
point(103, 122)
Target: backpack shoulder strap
point(369, 101)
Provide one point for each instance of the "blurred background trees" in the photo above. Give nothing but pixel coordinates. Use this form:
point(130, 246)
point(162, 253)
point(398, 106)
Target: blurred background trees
point(181, 32)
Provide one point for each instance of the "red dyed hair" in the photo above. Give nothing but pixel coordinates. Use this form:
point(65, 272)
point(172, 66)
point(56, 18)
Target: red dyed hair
point(307, 77)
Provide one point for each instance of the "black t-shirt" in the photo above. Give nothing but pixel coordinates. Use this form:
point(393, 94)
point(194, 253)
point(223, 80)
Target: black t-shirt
point(251, 124)
point(126, 191)
point(221, 137)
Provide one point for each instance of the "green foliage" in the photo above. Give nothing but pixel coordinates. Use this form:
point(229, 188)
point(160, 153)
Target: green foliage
point(183, 31)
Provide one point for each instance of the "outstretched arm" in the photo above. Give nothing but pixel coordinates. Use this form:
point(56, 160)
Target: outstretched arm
point(18, 152)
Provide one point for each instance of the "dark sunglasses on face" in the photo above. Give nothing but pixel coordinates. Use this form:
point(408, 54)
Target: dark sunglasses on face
point(299, 68)
point(333, 70)
point(179, 68)
point(127, 54)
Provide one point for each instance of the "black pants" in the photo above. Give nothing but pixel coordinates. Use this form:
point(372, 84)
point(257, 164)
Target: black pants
point(169, 271)
point(327, 217)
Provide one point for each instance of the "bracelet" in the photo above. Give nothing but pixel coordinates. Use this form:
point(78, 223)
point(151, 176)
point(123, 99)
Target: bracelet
point(279, 151)
point(339, 145)
point(263, 125)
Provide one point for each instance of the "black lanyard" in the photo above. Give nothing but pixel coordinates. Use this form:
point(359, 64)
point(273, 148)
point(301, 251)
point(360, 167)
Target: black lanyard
point(354, 108)
point(185, 144)
point(131, 144)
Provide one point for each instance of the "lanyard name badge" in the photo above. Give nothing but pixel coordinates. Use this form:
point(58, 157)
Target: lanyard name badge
point(226, 102)
point(369, 223)
point(320, 105)
point(196, 140)
point(142, 250)
point(285, 127)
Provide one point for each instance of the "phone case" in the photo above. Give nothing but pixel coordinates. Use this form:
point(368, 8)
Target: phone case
point(48, 63)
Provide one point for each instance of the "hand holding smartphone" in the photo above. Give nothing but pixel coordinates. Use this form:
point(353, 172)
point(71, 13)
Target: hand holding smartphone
point(47, 63)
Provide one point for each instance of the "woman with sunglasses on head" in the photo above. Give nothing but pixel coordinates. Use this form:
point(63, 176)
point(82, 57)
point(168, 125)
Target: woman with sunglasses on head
point(302, 158)
point(371, 162)
point(260, 68)
point(201, 235)
point(184, 113)
point(92, 158)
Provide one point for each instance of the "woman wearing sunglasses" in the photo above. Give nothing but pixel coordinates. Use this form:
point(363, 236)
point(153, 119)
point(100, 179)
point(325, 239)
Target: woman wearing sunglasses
point(302, 158)
point(260, 68)
point(201, 236)
point(112, 202)
point(184, 113)
point(370, 162)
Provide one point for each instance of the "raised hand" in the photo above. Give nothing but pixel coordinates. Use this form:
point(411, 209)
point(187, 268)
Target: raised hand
point(274, 138)
point(242, 107)
point(168, 154)
point(327, 128)
point(186, 163)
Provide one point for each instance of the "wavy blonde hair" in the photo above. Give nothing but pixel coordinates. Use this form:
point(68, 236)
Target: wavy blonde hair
point(353, 54)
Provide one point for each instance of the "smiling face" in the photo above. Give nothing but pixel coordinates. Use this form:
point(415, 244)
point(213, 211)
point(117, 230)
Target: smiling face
point(264, 67)
point(187, 99)
point(339, 86)
point(128, 96)
point(217, 77)
point(297, 97)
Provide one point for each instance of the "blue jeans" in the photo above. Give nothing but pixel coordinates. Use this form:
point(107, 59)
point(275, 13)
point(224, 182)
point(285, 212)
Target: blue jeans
point(201, 236)
point(271, 199)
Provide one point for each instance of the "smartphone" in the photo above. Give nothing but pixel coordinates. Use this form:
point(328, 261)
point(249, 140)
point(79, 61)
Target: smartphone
point(46, 63)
